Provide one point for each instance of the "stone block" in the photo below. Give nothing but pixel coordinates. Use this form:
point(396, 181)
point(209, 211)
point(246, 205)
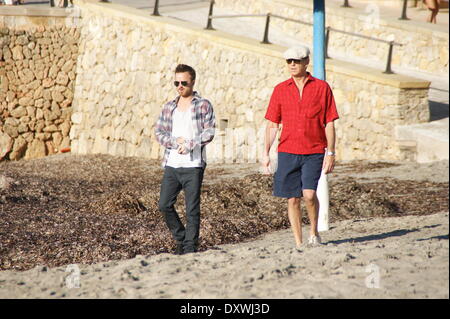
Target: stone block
point(29, 136)
point(25, 101)
point(26, 76)
point(229, 146)
point(44, 42)
point(34, 85)
point(155, 150)
point(48, 82)
point(65, 143)
point(57, 96)
point(65, 128)
point(38, 94)
point(144, 147)
point(10, 96)
point(62, 78)
point(53, 72)
point(19, 148)
point(6, 144)
point(51, 128)
point(39, 114)
point(36, 149)
point(17, 53)
point(22, 128)
point(20, 111)
point(100, 145)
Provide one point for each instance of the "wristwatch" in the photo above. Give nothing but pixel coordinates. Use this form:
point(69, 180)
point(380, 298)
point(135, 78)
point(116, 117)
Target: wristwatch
point(330, 153)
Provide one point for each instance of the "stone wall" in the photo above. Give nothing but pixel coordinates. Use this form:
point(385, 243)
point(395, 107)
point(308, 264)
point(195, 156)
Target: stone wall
point(37, 74)
point(125, 74)
point(423, 47)
point(118, 100)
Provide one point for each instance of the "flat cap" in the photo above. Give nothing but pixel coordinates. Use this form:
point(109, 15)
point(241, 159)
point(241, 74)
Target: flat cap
point(297, 52)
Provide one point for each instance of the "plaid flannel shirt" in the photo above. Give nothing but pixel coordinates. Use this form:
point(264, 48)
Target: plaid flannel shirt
point(204, 127)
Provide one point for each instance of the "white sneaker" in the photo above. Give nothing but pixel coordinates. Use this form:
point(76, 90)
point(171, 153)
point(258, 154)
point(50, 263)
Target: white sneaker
point(314, 240)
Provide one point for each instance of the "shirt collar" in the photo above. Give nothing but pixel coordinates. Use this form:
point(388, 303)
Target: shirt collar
point(195, 94)
point(309, 78)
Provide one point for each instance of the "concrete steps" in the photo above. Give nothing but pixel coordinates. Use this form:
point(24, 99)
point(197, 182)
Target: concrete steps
point(426, 142)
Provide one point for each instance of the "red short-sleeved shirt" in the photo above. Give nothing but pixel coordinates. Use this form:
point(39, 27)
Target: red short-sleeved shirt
point(303, 119)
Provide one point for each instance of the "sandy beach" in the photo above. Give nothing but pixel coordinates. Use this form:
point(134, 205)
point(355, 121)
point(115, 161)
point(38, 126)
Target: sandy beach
point(405, 257)
point(364, 257)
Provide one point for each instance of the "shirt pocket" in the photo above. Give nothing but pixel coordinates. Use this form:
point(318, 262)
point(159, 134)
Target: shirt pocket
point(313, 110)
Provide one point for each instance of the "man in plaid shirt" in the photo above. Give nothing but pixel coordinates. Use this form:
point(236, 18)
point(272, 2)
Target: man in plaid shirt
point(185, 125)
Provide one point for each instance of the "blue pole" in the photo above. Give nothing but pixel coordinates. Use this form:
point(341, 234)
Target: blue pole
point(319, 72)
point(319, 39)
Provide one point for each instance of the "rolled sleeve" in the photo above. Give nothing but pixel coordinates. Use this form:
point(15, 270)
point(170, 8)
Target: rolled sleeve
point(163, 130)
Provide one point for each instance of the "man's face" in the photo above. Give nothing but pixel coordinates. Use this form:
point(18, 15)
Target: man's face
point(297, 67)
point(185, 85)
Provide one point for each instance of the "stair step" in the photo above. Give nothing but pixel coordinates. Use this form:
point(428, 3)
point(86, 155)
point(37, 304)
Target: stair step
point(431, 140)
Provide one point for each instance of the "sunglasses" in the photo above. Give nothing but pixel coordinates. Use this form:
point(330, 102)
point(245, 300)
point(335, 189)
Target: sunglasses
point(296, 61)
point(183, 83)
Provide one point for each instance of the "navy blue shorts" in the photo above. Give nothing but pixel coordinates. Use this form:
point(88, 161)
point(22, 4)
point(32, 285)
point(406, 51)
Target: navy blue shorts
point(296, 173)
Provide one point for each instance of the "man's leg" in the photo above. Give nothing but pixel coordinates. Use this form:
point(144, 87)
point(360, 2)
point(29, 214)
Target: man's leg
point(192, 179)
point(312, 207)
point(170, 188)
point(295, 218)
point(287, 183)
point(311, 171)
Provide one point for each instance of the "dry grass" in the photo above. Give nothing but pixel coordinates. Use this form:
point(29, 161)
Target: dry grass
point(85, 209)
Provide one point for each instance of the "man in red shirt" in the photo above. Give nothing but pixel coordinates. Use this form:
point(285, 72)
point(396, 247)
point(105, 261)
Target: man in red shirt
point(306, 109)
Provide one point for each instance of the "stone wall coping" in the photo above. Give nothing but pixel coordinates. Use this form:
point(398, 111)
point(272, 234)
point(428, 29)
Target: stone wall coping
point(242, 43)
point(409, 25)
point(34, 12)
point(363, 72)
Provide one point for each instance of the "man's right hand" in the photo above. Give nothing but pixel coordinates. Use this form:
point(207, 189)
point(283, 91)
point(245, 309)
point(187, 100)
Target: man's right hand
point(182, 149)
point(265, 165)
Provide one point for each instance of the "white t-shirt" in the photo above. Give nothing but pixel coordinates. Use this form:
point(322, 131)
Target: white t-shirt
point(182, 126)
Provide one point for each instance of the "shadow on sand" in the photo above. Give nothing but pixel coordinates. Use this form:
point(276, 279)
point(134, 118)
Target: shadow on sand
point(395, 233)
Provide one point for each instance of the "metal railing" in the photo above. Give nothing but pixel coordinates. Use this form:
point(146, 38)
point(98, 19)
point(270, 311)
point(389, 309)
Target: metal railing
point(65, 3)
point(391, 44)
point(404, 8)
point(268, 16)
point(346, 4)
point(156, 8)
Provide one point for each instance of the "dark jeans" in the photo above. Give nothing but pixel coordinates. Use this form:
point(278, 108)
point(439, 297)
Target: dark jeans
point(190, 180)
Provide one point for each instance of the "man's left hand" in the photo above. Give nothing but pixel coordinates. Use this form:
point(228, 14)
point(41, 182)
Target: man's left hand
point(182, 149)
point(328, 164)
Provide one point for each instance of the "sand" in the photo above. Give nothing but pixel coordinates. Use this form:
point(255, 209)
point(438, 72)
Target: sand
point(405, 257)
point(395, 257)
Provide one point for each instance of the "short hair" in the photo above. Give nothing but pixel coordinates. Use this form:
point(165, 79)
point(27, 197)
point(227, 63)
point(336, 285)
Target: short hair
point(181, 68)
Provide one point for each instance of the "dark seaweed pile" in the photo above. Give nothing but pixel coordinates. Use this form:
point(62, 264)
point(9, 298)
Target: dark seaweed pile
point(85, 209)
